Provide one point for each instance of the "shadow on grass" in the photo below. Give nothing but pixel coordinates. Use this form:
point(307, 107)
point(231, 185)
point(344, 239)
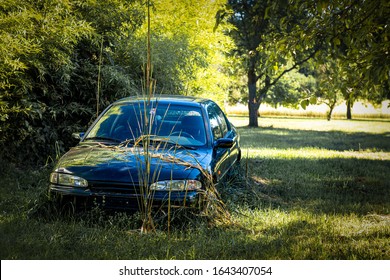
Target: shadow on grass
point(319, 184)
point(326, 185)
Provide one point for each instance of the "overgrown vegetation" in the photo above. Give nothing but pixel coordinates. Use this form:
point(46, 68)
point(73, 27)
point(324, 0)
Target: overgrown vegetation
point(306, 189)
point(63, 61)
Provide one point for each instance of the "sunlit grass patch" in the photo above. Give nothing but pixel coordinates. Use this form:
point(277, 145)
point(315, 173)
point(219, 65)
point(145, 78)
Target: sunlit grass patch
point(368, 126)
point(316, 153)
point(359, 110)
point(300, 234)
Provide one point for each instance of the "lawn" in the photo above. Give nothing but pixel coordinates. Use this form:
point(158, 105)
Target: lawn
point(306, 189)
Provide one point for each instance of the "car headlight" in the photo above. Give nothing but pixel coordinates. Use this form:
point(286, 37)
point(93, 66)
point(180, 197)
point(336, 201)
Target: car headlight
point(176, 185)
point(67, 180)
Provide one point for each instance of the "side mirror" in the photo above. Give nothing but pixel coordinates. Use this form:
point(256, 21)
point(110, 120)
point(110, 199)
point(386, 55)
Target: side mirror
point(223, 143)
point(78, 135)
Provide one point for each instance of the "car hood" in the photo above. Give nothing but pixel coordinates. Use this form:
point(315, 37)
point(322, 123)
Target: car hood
point(98, 162)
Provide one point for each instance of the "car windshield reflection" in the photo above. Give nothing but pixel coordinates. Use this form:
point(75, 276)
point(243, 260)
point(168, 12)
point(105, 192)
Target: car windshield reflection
point(128, 123)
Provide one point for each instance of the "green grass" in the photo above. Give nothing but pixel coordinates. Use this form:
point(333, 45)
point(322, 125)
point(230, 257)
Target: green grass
point(306, 189)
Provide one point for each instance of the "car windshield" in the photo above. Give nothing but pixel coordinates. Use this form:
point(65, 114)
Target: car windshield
point(181, 125)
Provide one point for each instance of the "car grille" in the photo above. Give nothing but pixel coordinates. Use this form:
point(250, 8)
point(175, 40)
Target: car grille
point(114, 188)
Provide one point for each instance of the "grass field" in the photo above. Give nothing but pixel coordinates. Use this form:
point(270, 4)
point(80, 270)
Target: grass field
point(306, 189)
point(360, 110)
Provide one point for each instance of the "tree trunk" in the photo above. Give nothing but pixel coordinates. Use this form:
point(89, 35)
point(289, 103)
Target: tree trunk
point(331, 105)
point(329, 116)
point(253, 104)
point(349, 109)
point(253, 114)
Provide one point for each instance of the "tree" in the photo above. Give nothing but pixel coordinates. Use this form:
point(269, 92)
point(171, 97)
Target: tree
point(187, 54)
point(329, 85)
point(270, 33)
point(262, 34)
point(358, 38)
point(364, 37)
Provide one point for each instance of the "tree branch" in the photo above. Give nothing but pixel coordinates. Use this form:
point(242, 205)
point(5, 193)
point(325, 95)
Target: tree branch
point(258, 77)
point(294, 66)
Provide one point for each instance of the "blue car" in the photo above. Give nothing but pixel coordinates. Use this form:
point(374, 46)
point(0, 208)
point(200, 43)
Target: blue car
point(165, 151)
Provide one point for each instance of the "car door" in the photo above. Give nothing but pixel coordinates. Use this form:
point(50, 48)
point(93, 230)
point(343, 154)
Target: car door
point(223, 157)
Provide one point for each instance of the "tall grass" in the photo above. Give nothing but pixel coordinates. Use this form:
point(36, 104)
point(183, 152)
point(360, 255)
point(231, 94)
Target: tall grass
point(306, 189)
point(212, 205)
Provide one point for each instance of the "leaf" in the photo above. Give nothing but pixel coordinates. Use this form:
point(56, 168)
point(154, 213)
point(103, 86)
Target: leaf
point(304, 104)
point(313, 100)
point(266, 13)
point(336, 41)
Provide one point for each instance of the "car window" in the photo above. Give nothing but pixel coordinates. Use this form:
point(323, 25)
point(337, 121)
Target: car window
point(218, 122)
point(183, 125)
point(214, 122)
point(222, 120)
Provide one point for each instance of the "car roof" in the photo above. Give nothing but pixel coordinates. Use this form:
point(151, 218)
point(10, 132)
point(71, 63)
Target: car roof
point(173, 99)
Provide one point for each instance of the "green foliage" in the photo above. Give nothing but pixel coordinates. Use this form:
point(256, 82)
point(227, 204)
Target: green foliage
point(292, 88)
point(361, 39)
point(56, 54)
point(48, 71)
point(354, 53)
point(37, 43)
point(187, 54)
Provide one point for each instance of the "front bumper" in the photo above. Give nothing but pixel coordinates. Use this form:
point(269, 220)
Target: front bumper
point(128, 200)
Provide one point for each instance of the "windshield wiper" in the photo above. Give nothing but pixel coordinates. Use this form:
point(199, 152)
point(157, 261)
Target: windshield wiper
point(103, 139)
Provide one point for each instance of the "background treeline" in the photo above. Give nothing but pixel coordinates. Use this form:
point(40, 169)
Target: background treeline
point(63, 61)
